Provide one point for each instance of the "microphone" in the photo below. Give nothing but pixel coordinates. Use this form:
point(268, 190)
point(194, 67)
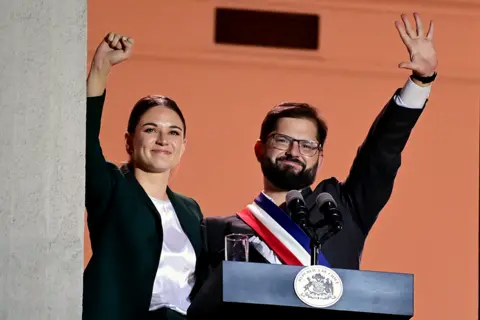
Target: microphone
point(298, 209)
point(328, 207)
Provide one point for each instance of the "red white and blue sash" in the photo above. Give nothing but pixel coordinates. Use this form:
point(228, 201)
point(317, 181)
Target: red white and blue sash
point(275, 227)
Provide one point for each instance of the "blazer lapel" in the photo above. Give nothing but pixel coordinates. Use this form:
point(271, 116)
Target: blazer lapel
point(128, 173)
point(189, 221)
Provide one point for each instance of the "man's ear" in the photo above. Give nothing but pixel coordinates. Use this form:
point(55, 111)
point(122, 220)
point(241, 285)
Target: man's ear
point(320, 153)
point(259, 150)
point(128, 143)
point(320, 158)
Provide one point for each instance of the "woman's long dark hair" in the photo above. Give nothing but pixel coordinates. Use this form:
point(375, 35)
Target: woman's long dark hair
point(148, 102)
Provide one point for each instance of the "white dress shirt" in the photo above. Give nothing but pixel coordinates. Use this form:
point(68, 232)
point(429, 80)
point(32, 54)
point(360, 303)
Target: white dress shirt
point(175, 274)
point(411, 96)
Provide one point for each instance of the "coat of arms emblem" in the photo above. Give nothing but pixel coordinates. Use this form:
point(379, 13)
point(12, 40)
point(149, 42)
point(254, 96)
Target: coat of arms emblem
point(318, 286)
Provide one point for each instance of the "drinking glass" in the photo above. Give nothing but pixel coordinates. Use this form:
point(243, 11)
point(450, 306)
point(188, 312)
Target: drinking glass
point(236, 247)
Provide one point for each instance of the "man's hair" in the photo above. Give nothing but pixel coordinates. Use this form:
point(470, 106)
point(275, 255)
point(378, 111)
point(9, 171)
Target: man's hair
point(297, 111)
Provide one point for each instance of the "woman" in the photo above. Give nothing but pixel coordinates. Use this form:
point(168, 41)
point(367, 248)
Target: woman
point(145, 238)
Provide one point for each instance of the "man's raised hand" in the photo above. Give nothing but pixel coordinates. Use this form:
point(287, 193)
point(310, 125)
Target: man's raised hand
point(423, 58)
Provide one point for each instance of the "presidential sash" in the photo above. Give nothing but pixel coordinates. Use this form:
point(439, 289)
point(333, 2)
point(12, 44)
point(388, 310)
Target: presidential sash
point(275, 227)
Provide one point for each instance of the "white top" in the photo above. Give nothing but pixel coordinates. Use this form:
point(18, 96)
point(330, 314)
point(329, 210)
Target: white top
point(176, 270)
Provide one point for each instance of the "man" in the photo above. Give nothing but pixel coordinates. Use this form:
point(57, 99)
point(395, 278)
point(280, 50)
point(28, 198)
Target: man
point(290, 150)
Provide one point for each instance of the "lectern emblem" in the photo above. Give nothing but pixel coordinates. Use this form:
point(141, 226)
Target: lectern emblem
point(318, 286)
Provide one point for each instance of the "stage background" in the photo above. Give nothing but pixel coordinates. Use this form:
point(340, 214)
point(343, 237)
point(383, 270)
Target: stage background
point(429, 227)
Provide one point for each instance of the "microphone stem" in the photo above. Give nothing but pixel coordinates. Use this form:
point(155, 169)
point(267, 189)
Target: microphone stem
point(315, 247)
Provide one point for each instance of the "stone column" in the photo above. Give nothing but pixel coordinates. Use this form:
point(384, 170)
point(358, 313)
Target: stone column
point(42, 146)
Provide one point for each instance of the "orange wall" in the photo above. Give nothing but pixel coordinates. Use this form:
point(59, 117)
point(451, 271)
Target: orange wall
point(429, 227)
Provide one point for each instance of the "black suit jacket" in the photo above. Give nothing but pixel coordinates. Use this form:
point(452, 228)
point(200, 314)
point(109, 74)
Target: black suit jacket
point(360, 197)
point(126, 233)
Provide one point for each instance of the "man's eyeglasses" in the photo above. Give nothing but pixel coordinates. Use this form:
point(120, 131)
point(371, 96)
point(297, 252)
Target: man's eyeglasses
point(283, 142)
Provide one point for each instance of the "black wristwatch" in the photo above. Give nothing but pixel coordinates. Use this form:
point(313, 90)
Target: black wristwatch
point(424, 79)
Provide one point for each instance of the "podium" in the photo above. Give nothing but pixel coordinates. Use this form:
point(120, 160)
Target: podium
point(245, 290)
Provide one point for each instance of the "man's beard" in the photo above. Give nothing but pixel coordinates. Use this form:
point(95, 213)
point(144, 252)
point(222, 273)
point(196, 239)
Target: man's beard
point(284, 177)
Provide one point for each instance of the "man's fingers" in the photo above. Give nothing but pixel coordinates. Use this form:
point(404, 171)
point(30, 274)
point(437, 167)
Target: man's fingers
point(403, 34)
point(405, 65)
point(419, 23)
point(408, 26)
point(408, 65)
point(430, 31)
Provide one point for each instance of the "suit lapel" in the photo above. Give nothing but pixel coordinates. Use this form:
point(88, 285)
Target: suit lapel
point(189, 221)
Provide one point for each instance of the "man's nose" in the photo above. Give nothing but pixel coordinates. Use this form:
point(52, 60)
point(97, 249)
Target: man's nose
point(294, 149)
